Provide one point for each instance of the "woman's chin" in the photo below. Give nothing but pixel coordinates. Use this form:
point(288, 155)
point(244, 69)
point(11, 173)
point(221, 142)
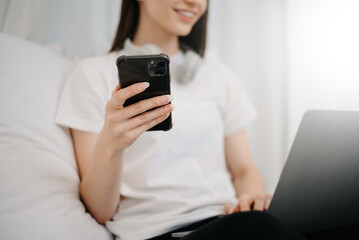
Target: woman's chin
point(182, 32)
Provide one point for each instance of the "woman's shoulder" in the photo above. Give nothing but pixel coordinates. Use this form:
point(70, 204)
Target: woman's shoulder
point(99, 63)
point(96, 69)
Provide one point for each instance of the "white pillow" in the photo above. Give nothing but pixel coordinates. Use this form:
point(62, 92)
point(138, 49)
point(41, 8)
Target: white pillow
point(38, 174)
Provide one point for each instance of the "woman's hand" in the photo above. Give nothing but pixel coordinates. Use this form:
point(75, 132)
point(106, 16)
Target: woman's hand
point(123, 125)
point(101, 158)
point(247, 202)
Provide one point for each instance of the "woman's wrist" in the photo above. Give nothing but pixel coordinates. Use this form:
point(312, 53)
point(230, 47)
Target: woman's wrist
point(108, 146)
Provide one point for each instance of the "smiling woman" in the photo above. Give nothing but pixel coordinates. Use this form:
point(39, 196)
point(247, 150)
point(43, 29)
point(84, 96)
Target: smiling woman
point(176, 18)
point(148, 185)
point(188, 24)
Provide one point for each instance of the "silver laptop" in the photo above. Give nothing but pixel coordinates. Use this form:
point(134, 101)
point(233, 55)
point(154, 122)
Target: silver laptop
point(319, 185)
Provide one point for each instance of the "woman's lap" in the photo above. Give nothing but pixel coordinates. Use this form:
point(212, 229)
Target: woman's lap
point(240, 225)
point(244, 225)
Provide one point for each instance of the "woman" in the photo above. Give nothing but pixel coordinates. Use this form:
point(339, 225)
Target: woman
point(148, 184)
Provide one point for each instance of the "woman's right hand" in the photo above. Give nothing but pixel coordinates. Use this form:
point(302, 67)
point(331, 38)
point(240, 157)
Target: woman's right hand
point(123, 125)
point(100, 157)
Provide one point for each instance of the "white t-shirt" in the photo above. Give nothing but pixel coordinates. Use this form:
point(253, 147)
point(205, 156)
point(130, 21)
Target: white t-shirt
point(174, 178)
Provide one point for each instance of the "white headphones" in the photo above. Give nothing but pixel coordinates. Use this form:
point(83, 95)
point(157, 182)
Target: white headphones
point(186, 70)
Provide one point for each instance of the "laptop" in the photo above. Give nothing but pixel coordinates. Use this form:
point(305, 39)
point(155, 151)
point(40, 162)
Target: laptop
point(318, 189)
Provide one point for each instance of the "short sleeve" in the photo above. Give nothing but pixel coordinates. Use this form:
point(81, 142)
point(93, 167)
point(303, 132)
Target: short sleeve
point(238, 111)
point(83, 99)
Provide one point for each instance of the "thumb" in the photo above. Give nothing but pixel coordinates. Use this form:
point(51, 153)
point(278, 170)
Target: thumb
point(228, 208)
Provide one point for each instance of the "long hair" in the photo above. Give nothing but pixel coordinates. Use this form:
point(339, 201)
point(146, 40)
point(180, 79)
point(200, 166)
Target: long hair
point(130, 11)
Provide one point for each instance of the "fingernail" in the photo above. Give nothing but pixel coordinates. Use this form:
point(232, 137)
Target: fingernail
point(173, 106)
point(146, 84)
point(170, 98)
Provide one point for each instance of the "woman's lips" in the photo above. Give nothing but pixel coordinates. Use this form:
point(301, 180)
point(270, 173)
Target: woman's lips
point(186, 16)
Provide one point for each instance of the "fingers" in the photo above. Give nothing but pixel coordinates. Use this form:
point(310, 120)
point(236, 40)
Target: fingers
point(120, 96)
point(267, 201)
point(259, 202)
point(149, 116)
point(243, 203)
point(144, 105)
point(143, 128)
point(228, 208)
point(143, 121)
point(139, 110)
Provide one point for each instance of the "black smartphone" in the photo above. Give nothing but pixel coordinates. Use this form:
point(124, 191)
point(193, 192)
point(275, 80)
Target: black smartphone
point(153, 69)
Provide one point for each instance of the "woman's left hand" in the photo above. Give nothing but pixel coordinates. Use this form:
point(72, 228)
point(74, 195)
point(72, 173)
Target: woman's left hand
point(248, 202)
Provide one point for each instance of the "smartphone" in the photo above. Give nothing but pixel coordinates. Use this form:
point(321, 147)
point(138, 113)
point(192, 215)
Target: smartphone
point(153, 69)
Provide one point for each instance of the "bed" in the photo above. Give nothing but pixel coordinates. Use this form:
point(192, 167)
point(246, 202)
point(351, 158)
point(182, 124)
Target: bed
point(39, 179)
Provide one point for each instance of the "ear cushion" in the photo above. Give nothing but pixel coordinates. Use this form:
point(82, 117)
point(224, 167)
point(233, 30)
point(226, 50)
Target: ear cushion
point(186, 70)
point(132, 49)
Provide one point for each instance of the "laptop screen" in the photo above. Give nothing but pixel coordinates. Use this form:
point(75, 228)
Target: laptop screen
point(319, 185)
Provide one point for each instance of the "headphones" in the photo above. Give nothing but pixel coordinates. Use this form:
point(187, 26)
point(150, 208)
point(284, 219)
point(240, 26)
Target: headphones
point(185, 72)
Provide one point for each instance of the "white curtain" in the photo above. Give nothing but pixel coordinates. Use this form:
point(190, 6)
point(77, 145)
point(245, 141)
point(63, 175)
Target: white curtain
point(290, 55)
point(73, 28)
point(249, 37)
point(323, 57)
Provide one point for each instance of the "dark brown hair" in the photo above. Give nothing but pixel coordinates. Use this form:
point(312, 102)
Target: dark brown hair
point(127, 27)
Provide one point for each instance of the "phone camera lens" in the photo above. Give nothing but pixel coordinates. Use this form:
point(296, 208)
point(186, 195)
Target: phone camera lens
point(161, 70)
point(156, 68)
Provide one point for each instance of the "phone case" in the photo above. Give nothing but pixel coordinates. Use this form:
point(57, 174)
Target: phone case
point(146, 68)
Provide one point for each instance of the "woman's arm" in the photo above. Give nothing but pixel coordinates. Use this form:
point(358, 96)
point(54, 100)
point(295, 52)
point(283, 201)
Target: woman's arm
point(246, 178)
point(100, 173)
point(100, 156)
